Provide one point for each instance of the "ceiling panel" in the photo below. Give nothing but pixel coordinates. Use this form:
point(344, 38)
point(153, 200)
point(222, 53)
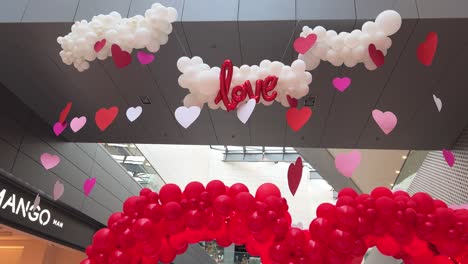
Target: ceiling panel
point(411, 81)
point(259, 10)
point(138, 7)
point(350, 110)
point(324, 10)
point(442, 9)
point(369, 9)
point(89, 8)
point(12, 11)
point(50, 11)
point(209, 10)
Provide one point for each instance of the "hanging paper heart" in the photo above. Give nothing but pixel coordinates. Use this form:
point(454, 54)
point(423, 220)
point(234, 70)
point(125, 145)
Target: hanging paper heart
point(386, 121)
point(58, 190)
point(121, 58)
point(449, 157)
point(298, 118)
point(302, 45)
point(245, 111)
point(64, 113)
point(426, 50)
point(99, 45)
point(49, 161)
point(187, 115)
point(292, 101)
point(104, 117)
point(295, 175)
point(36, 203)
point(376, 55)
point(438, 102)
point(347, 163)
point(133, 113)
point(78, 123)
point(59, 128)
point(145, 58)
point(341, 84)
point(89, 185)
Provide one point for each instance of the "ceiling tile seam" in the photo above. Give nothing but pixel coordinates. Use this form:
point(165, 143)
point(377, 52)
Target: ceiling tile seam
point(129, 8)
point(24, 11)
point(387, 82)
point(76, 10)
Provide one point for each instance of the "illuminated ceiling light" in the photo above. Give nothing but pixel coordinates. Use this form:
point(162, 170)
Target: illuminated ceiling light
point(397, 171)
point(404, 157)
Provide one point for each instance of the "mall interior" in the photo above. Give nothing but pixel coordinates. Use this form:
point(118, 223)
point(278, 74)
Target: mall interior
point(87, 124)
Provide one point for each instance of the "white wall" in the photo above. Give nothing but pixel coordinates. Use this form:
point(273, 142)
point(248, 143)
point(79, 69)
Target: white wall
point(181, 164)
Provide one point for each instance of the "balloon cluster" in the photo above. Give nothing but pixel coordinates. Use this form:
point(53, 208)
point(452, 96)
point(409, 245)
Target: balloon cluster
point(204, 84)
point(156, 227)
point(351, 48)
point(138, 32)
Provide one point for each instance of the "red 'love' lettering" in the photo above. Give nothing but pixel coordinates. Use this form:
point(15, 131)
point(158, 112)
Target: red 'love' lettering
point(240, 92)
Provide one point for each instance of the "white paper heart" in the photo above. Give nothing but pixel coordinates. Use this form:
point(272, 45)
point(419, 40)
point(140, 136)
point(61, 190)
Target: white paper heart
point(245, 111)
point(438, 102)
point(187, 115)
point(36, 203)
point(134, 112)
point(58, 190)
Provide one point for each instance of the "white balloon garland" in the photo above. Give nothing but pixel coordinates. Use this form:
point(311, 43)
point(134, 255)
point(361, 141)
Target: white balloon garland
point(203, 81)
point(138, 32)
point(351, 48)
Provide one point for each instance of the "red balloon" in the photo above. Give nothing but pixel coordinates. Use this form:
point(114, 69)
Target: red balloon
point(104, 239)
point(193, 219)
point(145, 191)
point(439, 204)
point(359, 248)
point(281, 227)
point(295, 237)
point(326, 210)
point(265, 190)
point(113, 218)
point(119, 257)
point(178, 242)
point(347, 217)
point(142, 229)
point(236, 189)
point(385, 206)
point(238, 230)
point(388, 246)
point(320, 228)
point(154, 212)
point(152, 247)
point(193, 190)
point(441, 260)
point(347, 192)
point(173, 226)
point(344, 200)
point(141, 204)
point(126, 239)
point(244, 202)
point(215, 188)
point(342, 241)
point(314, 251)
point(85, 261)
point(223, 205)
point(401, 193)
point(280, 252)
point(90, 251)
point(170, 193)
point(172, 210)
point(380, 192)
point(129, 206)
point(425, 203)
point(253, 247)
point(153, 197)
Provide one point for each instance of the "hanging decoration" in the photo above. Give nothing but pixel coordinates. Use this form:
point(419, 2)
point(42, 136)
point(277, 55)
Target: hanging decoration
point(64, 113)
point(341, 84)
point(437, 102)
point(347, 163)
point(427, 49)
point(105, 117)
point(59, 189)
point(88, 186)
point(49, 161)
point(156, 227)
point(295, 175)
point(349, 48)
point(449, 157)
point(133, 113)
point(94, 39)
point(229, 86)
point(386, 121)
point(187, 115)
point(297, 118)
point(59, 127)
point(78, 123)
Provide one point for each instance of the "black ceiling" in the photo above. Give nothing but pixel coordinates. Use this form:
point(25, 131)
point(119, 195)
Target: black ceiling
point(31, 68)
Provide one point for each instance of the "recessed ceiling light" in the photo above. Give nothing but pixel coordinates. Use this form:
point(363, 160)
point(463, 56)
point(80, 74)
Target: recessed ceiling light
point(397, 171)
point(404, 157)
point(391, 184)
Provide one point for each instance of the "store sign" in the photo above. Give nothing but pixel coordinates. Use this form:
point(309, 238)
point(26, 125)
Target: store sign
point(21, 207)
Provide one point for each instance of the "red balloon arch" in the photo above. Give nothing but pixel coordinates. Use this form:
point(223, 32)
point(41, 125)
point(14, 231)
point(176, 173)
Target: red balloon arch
point(156, 227)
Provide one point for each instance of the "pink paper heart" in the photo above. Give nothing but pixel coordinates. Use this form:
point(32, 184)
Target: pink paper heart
point(341, 84)
point(88, 186)
point(58, 190)
point(145, 58)
point(302, 45)
point(295, 175)
point(449, 157)
point(245, 111)
point(49, 161)
point(59, 128)
point(347, 163)
point(77, 123)
point(386, 121)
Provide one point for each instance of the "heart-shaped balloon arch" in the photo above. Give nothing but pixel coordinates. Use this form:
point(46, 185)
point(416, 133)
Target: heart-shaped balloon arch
point(156, 227)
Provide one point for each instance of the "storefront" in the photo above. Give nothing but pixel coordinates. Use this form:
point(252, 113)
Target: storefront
point(50, 233)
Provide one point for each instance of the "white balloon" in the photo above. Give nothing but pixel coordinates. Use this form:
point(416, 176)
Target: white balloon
point(183, 63)
point(389, 22)
point(298, 66)
point(320, 32)
point(358, 53)
point(192, 100)
point(387, 43)
point(379, 40)
point(352, 40)
point(171, 14)
point(329, 36)
point(369, 27)
point(364, 39)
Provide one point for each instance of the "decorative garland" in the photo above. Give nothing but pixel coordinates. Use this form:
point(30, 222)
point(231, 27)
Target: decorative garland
point(156, 227)
point(90, 40)
point(368, 45)
point(229, 86)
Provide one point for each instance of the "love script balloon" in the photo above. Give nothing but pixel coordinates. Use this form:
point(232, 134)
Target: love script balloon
point(159, 226)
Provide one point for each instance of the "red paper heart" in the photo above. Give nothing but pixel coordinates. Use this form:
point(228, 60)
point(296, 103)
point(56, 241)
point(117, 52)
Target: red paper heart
point(99, 45)
point(104, 117)
point(64, 112)
point(297, 118)
point(121, 57)
point(376, 55)
point(302, 45)
point(295, 175)
point(427, 49)
point(292, 101)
